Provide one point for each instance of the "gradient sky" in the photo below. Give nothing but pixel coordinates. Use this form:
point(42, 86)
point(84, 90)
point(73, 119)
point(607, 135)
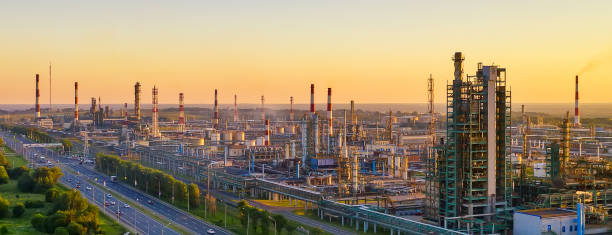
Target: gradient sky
point(369, 51)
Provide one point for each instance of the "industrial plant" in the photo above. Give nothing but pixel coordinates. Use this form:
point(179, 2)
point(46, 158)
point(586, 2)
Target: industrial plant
point(478, 166)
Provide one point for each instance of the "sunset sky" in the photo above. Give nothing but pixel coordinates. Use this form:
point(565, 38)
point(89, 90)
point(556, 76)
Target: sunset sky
point(369, 51)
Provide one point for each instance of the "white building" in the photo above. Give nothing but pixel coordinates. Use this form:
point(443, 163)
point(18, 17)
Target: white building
point(543, 221)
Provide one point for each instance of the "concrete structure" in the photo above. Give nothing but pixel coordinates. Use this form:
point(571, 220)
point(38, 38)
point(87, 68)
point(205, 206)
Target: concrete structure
point(137, 101)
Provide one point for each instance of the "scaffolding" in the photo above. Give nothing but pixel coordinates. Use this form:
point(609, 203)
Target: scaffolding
point(475, 170)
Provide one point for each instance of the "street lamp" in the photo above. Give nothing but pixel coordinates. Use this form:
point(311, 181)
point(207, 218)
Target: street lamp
point(208, 186)
point(164, 227)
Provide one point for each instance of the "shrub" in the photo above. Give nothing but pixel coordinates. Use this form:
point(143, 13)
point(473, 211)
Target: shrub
point(17, 172)
point(38, 222)
point(18, 210)
point(61, 231)
point(25, 183)
point(4, 230)
point(4, 208)
point(34, 204)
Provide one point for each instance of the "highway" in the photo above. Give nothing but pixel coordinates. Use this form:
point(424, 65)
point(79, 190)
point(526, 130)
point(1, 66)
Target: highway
point(130, 216)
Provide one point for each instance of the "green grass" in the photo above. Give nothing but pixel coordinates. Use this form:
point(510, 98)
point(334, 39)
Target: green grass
point(312, 214)
point(14, 159)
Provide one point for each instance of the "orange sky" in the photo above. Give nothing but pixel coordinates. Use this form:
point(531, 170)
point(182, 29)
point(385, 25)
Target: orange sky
point(367, 51)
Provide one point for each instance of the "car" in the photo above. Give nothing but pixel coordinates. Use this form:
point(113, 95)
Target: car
point(70, 180)
point(119, 212)
point(107, 204)
point(210, 231)
point(150, 202)
point(78, 186)
point(109, 195)
point(113, 203)
point(126, 206)
point(88, 188)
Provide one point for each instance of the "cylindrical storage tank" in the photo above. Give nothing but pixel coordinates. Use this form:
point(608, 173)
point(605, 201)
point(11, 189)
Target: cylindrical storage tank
point(251, 143)
point(240, 136)
point(260, 141)
point(215, 137)
point(280, 130)
point(227, 136)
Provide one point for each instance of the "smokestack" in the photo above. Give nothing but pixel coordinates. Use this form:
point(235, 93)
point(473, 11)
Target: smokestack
point(155, 116)
point(353, 120)
point(37, 102)
point(458, 61)
point(235, 108)
point(181, 120)
point(137, 100)
point(76, 102)
point(50, 103)
point(216, 111)
point(125, 108)
point(291, 108)
point(267, 133)
point(263, 111)
point(329, 112)
point(312, 104)
point(576, 109)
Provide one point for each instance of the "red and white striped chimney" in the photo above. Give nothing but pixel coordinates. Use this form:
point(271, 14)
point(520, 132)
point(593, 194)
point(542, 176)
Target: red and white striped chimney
point(125, 108)
point(235, 108)
point(216, 110)
point(267, 133)
point(576, 109)
point(312, 104)
point(76, 101)
point(37, 104)
point(291, 108)
point(263, 110)
point(181, 120)
point(329, 112)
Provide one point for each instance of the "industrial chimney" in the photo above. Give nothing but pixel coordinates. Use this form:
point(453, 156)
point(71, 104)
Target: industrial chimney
point(329, 112)
point(37, 102)
point(216, 117)
point(235, 108)
point(155, 115)
point(137, 100)
point(263, 110)
point(312, 104)
point(267, 133)
point(76, 102)
point(576, 109)
point(291, 108)
point(181, 121)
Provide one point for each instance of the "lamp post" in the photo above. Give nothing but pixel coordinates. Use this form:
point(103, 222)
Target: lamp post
point(208, 186)
point(165, 227)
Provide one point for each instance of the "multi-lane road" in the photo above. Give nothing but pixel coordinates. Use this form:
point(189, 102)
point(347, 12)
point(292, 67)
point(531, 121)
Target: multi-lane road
point(131, 216)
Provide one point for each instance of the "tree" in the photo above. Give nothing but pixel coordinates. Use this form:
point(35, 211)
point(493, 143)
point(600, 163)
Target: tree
point(75, 229)
point(4, 178)
point(194, 195)
point(67, 144)
point(1, 142)
point(25, 183)
point(264, 221)
point(4, 208)
point(316, 231)
point(17, 172)
point(3, 161)
point(281, 222)
point(3, 229)
point(55, 220)
point(18, 210)
point(51, 195)
point(46, 178)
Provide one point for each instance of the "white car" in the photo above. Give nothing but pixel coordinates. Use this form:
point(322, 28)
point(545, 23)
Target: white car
point(88, 188)
point(210, 231)
point(113, 203)
point(126, 206)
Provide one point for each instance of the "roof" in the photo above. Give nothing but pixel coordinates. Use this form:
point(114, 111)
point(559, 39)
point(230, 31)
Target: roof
point(549, 212)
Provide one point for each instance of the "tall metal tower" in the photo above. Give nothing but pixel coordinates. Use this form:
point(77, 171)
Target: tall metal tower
point(155, 115)
point(181, 120)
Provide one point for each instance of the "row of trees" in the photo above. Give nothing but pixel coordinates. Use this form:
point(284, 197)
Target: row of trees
point(31, 132)
point(255, 219)
point(152, 181)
